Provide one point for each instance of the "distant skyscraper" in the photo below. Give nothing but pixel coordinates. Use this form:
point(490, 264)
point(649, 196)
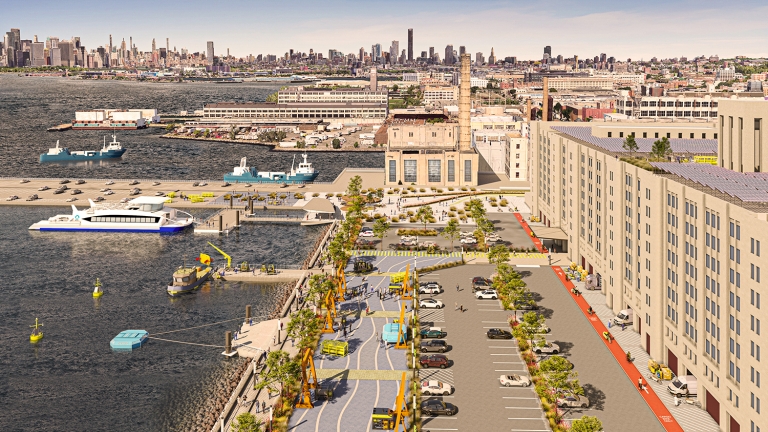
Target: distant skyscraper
point(37, 54)
point(154, 46)
point(362, 54)
point(410, 44)
point(394, 50)
point(167, 46)
point(209, 53)
point(462, 50)
point(67, 56)
point(431, 52)
point(548, 51)
point(449, 55)
point(479, 59)
point(492, 57)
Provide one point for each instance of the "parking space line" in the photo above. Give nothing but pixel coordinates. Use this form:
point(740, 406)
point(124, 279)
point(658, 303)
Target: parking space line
point(513, 388)
point(494, 322)
point(436, 429)
point(519, 397)
point(503, 354)
point(507, 347)
point(526, 418)
point(492, 310)
point(439, 417)
point(509, 370)
point(508, 362)
point(529, 430)
point(533, 408)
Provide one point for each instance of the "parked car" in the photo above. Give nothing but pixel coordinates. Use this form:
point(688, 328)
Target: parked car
point(468, 240)
point(159, 193)
point(408, 238)
point(98, 199)
point(432, 288)
point(225, 184)
point(434, 345)
point(434, 360)
point(72, 199)
point(79, 182)
point(203, 183)
point(24, 181)
point(62, 187)
point(124, 200)
point(480, 283)
point(109, 182)
point(496, 333)
point(43, 188)
point(514, 381)
point(431, 304)
point(134, 182)
point(487, 294)
point(12, 198)
point(58, 191)
point(493, 237)
point(109, 192)
point(32, 197)
point(547, 348)
point(65, 181)
point(366, 233)
point(427, 244)
point(433, 332)
point(156, 184)
point(436, 388)
point(573, 401)
point(435, 407)
point(134, 191)
point(76, 192)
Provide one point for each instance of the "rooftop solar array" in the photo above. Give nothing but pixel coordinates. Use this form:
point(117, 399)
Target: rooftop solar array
point(644, 145)
point(750, 187)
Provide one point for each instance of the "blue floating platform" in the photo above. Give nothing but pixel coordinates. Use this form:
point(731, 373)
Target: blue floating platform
point(129, 340)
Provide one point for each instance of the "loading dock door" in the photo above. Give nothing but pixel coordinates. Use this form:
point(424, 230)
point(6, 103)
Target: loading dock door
point(713, 406)
point(672, 361)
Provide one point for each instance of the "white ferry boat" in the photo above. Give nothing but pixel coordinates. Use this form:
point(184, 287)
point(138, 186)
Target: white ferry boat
point(142, 214)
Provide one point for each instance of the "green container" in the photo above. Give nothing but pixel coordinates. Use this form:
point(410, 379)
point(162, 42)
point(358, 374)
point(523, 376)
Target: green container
point(336, 348)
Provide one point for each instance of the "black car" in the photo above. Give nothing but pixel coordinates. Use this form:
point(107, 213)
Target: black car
point(498, 334)
point(437, 407)
point(434, 345)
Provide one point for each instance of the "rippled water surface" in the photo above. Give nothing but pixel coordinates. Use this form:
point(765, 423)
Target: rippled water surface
point(28, 106)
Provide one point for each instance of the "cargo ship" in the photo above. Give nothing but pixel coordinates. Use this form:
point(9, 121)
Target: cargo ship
point(243, 174)
point(62, 154)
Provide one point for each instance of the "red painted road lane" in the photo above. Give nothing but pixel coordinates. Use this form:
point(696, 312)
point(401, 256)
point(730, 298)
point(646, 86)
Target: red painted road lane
point(536, 241)
point(651, 398)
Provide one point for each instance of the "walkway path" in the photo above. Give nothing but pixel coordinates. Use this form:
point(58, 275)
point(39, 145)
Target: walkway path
point(649, 395)
point(527, 229)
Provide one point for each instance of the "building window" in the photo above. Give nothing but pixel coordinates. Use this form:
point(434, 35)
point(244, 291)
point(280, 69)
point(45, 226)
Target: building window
point(392, 171)
point(433, 171)
point(409, 171)
point(451, 171)
point(517, 175)
point(468, 171)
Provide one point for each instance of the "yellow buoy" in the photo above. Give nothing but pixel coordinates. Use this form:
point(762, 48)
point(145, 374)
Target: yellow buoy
point(97, 292)
point(36, 333)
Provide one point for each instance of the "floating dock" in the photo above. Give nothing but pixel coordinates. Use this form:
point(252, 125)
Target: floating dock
point(129, 340)
point(60, 128)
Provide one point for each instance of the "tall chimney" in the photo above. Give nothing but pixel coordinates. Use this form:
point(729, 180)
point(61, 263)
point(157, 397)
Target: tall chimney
point(374, 81)
point(528, 110)
point(464, 105)
point(545, 102)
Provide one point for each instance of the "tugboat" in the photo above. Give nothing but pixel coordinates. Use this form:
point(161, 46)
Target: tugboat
point(187, 279)
point(62, 154)
point(97, 292)
point(37, 334)
point(244, 174)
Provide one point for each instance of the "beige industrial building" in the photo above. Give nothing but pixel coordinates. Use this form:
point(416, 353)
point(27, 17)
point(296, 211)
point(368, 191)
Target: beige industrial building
point(502, 152)
point(679, 244)
point(439, 154)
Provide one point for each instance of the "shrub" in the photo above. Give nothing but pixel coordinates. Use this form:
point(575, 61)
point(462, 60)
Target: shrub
point(395, 219)
point(412, 220)
point(396, 190)
point(450, 189)
point(461, 211)
point(405, 192)
point(422, 190)
point(473, 189)
point(453, 208)
point(493, 204)
point(315, 194)
point(390, 192)
point(416, 232)
point(463, 189)
point(503, 202)
point(492, 199)
point(411, 213)
point(451, 214)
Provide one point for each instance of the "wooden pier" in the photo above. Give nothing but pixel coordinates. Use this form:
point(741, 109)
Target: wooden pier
point(226, 220)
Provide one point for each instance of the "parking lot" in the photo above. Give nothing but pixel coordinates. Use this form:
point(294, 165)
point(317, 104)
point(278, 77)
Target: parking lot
point(477, 362)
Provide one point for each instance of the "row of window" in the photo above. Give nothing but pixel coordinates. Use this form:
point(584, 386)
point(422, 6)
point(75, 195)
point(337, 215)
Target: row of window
point(121, 219)
point(434, 171)
point(697, 114)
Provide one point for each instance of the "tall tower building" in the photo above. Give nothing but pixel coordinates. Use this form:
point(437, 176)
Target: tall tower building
point(492, 57)
point(374, 80)
point(449, 55)
point(410, 44)
point(109, 54)
point(465, 138)
point(167, 46)
point(209, 53)
point(130, 47)
point(154, 46)
point(362, 54)
point(394, 50)
point(462, 50)
point(431, 52)
point(547, 51)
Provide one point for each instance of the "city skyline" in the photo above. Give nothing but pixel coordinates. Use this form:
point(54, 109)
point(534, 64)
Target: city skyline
point(346, 26)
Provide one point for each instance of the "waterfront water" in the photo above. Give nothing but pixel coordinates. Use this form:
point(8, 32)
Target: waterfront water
point(71, 380)
point(28, 106)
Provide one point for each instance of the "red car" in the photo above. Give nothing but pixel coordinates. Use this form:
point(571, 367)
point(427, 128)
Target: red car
point(434, 360)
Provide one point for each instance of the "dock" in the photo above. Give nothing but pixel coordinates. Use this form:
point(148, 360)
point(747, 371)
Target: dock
point(60, 128)
point(317, 211)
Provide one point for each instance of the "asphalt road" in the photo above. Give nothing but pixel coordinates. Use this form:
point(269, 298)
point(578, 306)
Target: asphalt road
point(477, 362)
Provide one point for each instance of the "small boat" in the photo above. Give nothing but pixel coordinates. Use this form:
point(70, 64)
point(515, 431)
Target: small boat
point(63, 154)
point(37, 334)
point(244, 174)
point(129, 340)
point(187, 279)
point(97, 292)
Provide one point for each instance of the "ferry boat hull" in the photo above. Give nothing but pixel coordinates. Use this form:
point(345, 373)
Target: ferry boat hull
point(244, 174)
point(202, 276)
point(62, 154)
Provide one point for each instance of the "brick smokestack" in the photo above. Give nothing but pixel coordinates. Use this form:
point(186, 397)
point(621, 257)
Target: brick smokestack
point(528, 110)
point(374, 80)
point(545, 102)
point(465, 137)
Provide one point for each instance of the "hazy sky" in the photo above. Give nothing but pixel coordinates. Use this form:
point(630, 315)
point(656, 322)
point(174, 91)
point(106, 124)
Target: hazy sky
point(638, 29)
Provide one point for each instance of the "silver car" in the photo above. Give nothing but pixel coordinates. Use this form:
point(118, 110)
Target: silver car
point(573, 401)
point(514, 381)
point(547, 348)
point(436, 388)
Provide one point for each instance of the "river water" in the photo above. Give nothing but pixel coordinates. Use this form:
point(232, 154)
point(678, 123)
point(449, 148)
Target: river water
point(71, 380)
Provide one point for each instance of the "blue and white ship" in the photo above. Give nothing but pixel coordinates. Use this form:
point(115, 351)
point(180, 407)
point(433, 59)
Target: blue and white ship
point(62, 154)
point(243, 174)
point(143, 215)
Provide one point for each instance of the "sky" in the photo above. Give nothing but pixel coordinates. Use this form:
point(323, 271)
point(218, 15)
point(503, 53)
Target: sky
point(636, 30)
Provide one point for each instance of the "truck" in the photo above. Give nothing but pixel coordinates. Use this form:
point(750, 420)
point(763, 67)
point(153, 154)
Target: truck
point(683, 386)
point(623, 317)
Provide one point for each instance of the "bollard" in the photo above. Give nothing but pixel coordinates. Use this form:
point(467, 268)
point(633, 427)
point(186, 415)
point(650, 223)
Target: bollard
point(221, 222)
point(237, 218)
point(250, 204)
point(228, 342)
point(230, 200)
point(247, 313)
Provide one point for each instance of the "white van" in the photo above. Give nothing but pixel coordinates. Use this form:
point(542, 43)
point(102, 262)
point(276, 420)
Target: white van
point(624, 317)
point(683, 385)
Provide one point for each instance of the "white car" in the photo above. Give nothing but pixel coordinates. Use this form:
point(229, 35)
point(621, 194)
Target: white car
point(73, 199)
point(365, 233)
point(468, 240)
point(487, 294)
point(43, 188)
point(156, 184)
point(108, 192)
point(573, 401)
point(430, 289)
point(125, 200)
point(514, 381)
point(12, 198)
point(431, 304)
point(98, 199)
point(24, 181)
point(436, 388)
point(407, 238)
point(109, 182)
point(203, 184)
point(548, 348)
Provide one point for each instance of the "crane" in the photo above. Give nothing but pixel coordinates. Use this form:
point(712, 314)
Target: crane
point(229, 258)
point(402, 332)
point(308, 382)
point(330, 312)
point(341, 279)
point(407, 285)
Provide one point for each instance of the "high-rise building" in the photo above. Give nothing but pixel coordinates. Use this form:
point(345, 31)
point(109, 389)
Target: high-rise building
point(448, 55)
point(462, 50)
point(67, 53)
point(492, 57)
point(394, 50)
point(209, 53)
point(547, 51)
point(479, 59)
point(167, 45)
point(37, 54)
point(362, 54)
point(410, 44)
point(431, 52)
point(374, 80)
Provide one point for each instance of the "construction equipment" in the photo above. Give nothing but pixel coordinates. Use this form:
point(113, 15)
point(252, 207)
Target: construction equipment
point(402, 334)
point(308, 382)
point(341, 280)
point(330, 312)
point(271, 269)
point(661, 371)
point(387, 419)
point(244, 266)
point(407, 284)
point(335, 348)
point(229, 258)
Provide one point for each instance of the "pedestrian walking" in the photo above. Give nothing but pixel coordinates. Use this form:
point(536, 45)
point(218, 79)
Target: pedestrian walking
point(622, 326)
point(609, 323)
point(677, 401)
point(457, 287)
point(263, 406)
point(274, 340)
point(455, 305)
point(461, 307)
point(640, 384)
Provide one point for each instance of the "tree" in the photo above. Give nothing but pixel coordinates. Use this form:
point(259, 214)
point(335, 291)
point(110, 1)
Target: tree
point(452, 231)
point(630, 144)
point(553, 90)
point(272, 98)
point(529, 328)
point(485, 225)
point(233, 133)
point(476, 209)
point(280, 371)
point(560, 376)
point(380, 229)
point(557, 107)
point(170, 127)
point(302, 324)
point(661, 148)
point(336, 143)
point(395, 88)
point(424, 215)
point(587, 424)
point(498, 254)
point(207, 133)
point(247, 422)
point(301, 144)
point(319, 285)
point(197, 133)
